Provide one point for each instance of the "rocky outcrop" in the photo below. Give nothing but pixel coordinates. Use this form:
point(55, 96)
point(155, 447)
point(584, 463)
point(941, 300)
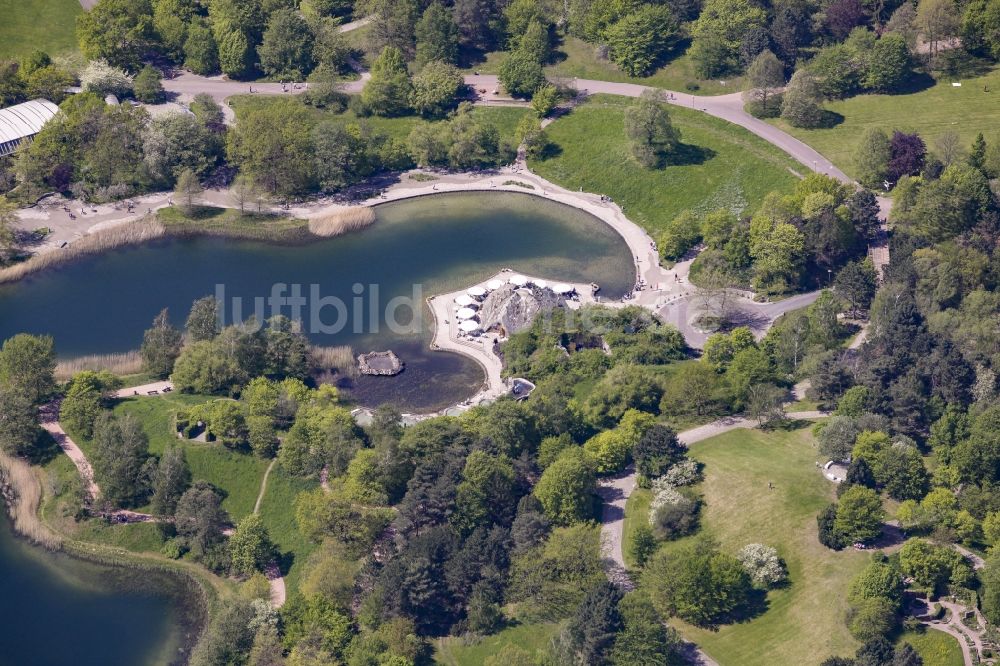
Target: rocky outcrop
point(384, 363)
point(511, 309)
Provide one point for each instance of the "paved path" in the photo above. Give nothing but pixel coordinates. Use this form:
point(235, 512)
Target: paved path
point(49, 420)
point(156, 388)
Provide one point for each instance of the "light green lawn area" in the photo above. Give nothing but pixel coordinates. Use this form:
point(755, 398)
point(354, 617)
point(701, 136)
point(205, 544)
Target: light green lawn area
point(935, 647)
point(804, 622)
point(504, 118)
point(238, 475)
point(581, 61)
point(720, 165)
point(943, 108)
point(278, 513)
point(49, 25)
point(452, 651)
point(636, 514)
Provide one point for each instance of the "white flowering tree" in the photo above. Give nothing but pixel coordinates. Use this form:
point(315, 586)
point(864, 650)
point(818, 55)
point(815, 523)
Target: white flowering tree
point(762, 564)
point(104, 79)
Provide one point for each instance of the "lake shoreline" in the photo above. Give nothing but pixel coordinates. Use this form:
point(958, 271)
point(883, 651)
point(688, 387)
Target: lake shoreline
point(22, 494)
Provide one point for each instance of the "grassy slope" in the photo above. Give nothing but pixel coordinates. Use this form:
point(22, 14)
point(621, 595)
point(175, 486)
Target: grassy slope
point(531, 637)
point(932, 112)
point(277, 510)
point(736, 171)
point(49, 25)
point(936, 648)
point(804, 622)
point(505, 118)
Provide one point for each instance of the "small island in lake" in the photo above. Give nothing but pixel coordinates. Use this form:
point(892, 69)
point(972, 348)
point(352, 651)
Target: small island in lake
point(384, 363)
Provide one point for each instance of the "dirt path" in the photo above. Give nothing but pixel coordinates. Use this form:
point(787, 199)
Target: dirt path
point(49, 420)
point(263, 486)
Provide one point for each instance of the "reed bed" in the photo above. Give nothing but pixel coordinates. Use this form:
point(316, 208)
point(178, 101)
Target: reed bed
point(22, 491)
point(121, 364)
point(339, 358)
point(342, 221)
point(132, 233)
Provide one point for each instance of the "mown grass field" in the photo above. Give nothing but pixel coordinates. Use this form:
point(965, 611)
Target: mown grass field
point(942, 108)
point(451, 651)
point(936, 648)
point(719, 164)
point(804, 622)
point(49, 25)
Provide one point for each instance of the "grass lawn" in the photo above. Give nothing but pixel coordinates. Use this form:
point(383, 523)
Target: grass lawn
point(504, 118)
point(636, 514)
point(804, 622)
point(720, 165)
point(932, 112)
point(278, 513)
point(49, 25)
point(228, 222)
point(936, 648)
point(451, 651)
point(238, 475)
point(576, 58)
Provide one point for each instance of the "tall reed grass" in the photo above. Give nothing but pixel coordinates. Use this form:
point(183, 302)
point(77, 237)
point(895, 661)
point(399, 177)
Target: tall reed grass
point(132, 233)
point(124, 363)
point(342, 221)
point(22, 490)
point(339, 358)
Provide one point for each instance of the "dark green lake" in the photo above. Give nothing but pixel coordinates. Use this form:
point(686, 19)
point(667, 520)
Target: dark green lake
point(58, 610)
point(417, 248)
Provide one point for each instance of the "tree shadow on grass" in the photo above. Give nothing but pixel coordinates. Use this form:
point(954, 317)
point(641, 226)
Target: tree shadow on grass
point(686, 154)
point(917, 82)
point(550, 151)
point(755, 606)
point(45, 450)
point(830, 119)
point(285, 562)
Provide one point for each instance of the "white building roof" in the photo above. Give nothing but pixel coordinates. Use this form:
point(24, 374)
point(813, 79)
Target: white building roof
point(24, 120)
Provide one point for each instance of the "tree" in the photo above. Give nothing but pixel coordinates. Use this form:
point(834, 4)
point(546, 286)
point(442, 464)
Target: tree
point(859, 515)
point(651, 135)
point(27, 365)
point(121, 460)
point(591, 632)
point(545, 100)
point(250, 546)
point(188, 191)
point(889, 64)
point(643, 544)
point(235, 53)
point(762, 564)
point(437, 36)
point(287, 47)
point(878, 580)
point(119, 31)
point(800, 105)
point(764, 76)
point(937, 21)
point(679, 237)
point(161, 345)
point(565, 488)
point(479, 22)
point(147, 85)
point(199, 517)
point(86, 395)
point(908, 152)
point(486, 493)
point(842, 16)
point(644, 640)
point(872, 618)
point(928, 564)
point(640, 40)
point(656, 451)
point(201, 55)
point(19, 429)
point(171, 480)
point(989, 593)
point(871, 157)
point(697, 583)
point(720, 35)
point(856, 282)
point(436, 88)
point(388, 91)
point(273, 145)
point(521, 74)
point(203, 319)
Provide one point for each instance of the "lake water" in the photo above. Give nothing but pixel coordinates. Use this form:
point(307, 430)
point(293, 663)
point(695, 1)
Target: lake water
point(417, 248)
point(58, 610)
